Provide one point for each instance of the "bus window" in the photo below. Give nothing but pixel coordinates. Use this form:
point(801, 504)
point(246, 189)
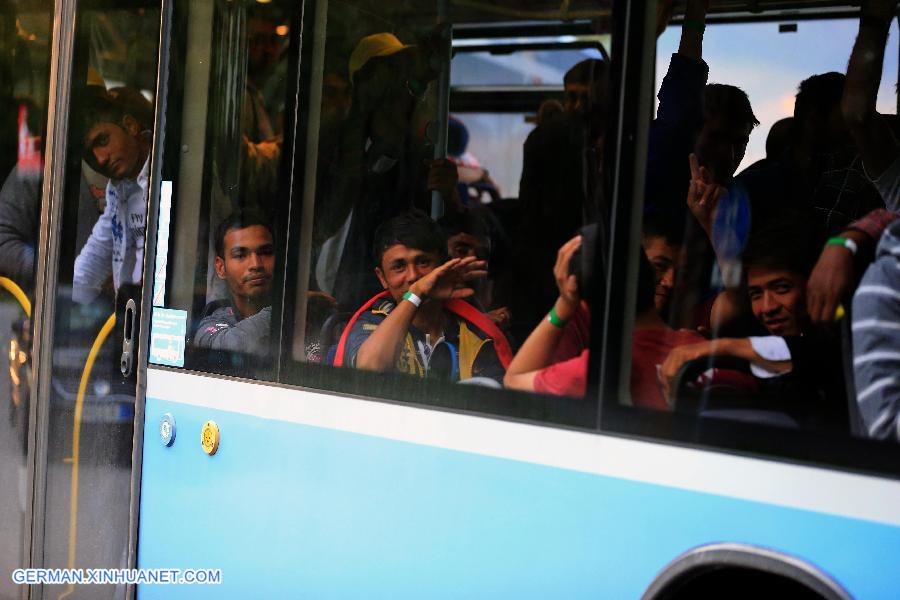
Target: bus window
point(101, 228)
point(225, 193)
point(414, 262)
point(24, 87)
point(500, 95)
point(770, 179)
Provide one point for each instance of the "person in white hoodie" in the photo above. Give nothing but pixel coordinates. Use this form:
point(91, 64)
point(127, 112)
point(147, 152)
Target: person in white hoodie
point(117, 140)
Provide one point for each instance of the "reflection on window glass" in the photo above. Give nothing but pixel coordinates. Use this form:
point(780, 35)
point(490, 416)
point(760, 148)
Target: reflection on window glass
point(228, 202)
point(421, 241)
point(517, 68)
point(102, 240)
point(24, 87)
point(438, 263)
point(769, 185)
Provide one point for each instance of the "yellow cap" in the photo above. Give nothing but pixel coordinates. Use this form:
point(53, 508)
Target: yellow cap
point(372, 46)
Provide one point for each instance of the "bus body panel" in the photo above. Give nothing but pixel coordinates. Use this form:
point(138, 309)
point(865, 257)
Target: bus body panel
point(309, 511)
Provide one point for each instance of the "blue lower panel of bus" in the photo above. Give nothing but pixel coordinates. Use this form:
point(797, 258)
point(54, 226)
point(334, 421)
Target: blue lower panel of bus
point(292, 511)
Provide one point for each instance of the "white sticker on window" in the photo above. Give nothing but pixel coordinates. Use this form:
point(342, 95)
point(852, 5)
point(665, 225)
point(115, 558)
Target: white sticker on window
point(168, 330)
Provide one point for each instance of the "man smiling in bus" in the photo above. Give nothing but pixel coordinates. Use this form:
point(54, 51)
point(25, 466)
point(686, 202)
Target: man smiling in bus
point(799, 367)
point(420, 325)
point(245, 258)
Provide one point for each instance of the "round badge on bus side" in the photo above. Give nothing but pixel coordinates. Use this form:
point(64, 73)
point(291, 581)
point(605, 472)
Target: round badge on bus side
point(167, 429)
point(209, 437)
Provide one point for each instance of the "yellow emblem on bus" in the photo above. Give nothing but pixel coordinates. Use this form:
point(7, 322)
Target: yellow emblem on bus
point(209, 437)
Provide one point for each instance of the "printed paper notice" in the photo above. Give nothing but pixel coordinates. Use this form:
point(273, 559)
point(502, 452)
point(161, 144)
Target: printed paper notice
point(168, 330)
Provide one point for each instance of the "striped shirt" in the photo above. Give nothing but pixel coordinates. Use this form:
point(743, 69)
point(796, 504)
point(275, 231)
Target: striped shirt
point(876, 340)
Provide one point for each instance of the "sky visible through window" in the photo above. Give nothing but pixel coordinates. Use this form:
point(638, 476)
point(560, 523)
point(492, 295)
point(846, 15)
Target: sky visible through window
point(769, 65)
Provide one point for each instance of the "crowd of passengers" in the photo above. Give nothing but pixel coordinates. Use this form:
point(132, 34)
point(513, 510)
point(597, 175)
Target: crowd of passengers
point(763, 268)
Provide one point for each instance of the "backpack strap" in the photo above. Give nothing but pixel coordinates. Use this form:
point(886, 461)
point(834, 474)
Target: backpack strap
point(463, 309)
point(460, 308)
point(342, 343)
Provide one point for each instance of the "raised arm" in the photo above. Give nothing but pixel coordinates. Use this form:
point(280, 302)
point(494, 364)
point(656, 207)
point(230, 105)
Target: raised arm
point(691, 43)
point(382, 348)
point(736, 347)
point(876, 143)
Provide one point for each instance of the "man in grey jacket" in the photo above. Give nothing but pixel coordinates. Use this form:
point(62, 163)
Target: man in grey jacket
point(245, 258)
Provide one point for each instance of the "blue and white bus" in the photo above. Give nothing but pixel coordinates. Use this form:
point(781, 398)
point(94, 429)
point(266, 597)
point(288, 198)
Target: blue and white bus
point(202, 414)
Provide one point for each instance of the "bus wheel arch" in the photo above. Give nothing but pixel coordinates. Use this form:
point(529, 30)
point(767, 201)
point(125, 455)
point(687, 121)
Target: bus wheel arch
point(741, 571)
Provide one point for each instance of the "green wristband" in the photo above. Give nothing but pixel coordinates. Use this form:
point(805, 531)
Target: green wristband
point(845, 242)
point(692, 25)
point(555, 320)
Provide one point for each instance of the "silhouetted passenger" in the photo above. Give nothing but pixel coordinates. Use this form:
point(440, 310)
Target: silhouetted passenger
point(381, 165)
point(713, 121)
point(561, 189)
point(870, 130)
point(821, 174)
point(780, 138)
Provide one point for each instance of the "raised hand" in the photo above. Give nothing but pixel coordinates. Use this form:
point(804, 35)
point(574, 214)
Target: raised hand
point(830, 282)
point(569, 298)
point(448, 281)
point(703, 195)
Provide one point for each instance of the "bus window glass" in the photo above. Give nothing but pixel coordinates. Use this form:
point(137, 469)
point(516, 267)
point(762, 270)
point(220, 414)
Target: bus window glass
point(224, 196)
point(780, 61)
point(413, 260)
point(517, 67)
point(493, 96)
point(771, 177)
point(25, 32)
point(100, 273)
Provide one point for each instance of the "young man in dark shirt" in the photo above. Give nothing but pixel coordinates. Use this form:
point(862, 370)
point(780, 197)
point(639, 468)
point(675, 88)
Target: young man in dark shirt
point(421, 315)
point(799, 367)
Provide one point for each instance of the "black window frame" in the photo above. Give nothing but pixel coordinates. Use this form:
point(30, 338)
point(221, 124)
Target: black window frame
point(810, 448)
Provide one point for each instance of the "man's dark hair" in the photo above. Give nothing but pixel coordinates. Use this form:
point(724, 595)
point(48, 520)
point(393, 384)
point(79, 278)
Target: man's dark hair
point(94, 106)
point(656, 225)
point(97, 105)
point(788, 245)
point(413, 229)
point(819, 94)
point(729, 102)
point(585, 72)
point(239, 219)
point(780, 137)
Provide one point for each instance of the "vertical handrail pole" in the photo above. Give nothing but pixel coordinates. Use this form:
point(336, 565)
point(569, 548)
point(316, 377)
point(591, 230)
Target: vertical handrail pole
point(443, 104)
